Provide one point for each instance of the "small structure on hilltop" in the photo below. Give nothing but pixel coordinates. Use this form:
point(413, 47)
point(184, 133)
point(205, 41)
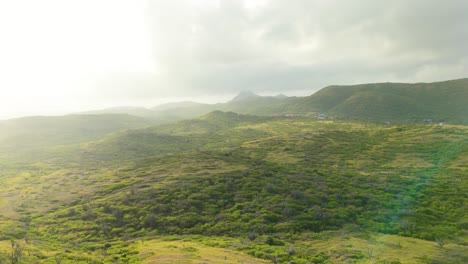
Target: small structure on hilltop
point(321, 116)
point(286, 115)
point(427, 120)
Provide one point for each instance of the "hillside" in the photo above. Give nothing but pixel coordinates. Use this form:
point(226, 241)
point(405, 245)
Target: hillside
point(379, 102)
point(398, 102)
point(79, 125)
point(278, 190)
point(129, 110)
point(176, 105)
point(244, 103)
point(27, 137)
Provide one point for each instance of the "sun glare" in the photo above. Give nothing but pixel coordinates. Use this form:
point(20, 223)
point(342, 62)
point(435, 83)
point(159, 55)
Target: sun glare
point(57, 49)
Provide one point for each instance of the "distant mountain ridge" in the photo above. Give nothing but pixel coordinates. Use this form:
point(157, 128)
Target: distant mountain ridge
point(130, 110)
point(444, 101)
point(245, 102)
point(245, 95)
point(176, 105)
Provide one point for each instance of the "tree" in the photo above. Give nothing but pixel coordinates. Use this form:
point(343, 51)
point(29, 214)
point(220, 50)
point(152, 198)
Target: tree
point(16, 252)
point(119, 216)
point(440, 241)
point(58, 259)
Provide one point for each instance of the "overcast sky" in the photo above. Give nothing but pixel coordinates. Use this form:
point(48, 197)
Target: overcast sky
point(65, 56)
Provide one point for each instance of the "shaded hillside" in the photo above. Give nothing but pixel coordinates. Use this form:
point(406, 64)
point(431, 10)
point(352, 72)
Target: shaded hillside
point(399, 102)
point(64, 129)
point(212, 129)
point(244, 103)
point(34, 136)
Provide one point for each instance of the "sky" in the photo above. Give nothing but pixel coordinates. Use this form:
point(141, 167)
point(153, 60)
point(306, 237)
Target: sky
point(63, 56)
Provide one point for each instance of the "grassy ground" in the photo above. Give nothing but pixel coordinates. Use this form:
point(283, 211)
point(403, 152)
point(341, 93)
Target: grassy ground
point(277, 179)
point(165, 252)
point(338, 247)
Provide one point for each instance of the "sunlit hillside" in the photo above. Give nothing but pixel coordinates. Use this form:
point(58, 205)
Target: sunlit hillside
point(276, 189)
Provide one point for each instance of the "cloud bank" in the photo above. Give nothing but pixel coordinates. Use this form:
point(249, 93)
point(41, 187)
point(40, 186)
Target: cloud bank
point(137, 51)
point(228, 46)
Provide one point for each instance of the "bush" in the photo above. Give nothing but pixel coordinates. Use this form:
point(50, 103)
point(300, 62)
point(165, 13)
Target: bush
point(273, 241)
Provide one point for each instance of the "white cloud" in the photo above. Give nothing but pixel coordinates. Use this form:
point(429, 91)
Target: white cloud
point(58, 56)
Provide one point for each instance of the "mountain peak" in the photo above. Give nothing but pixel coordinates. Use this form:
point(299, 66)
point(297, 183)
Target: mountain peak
point(244, 95)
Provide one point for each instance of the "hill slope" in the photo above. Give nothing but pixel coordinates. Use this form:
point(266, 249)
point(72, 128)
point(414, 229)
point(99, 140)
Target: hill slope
point(27, 137)
point(129, 110)
point(277, 189)
point(400, 102)
point(244, 103)
point(379, 102)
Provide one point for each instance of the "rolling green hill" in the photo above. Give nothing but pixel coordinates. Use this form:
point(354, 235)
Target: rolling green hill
point(379, 102)
point(67, 128)
point(129, 110)
point(244, 103)
point(28, 137)
point(439, 101)
point(279, 190)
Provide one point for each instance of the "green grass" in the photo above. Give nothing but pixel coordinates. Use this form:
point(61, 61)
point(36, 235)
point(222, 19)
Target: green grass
point(337, 192)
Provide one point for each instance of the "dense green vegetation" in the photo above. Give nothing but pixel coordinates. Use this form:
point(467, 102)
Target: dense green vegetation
point(277, 189)
point(396, 102)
